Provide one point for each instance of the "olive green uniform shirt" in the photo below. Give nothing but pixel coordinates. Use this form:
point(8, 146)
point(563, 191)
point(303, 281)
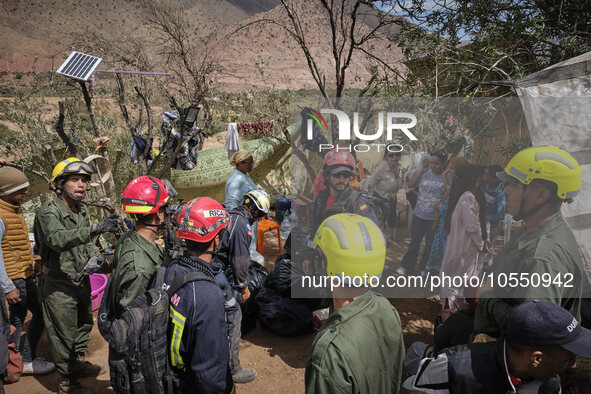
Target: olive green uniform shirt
point(136, 261)
point(63, 236)
point(549, 251)
point(359, 349)
point(64, 242)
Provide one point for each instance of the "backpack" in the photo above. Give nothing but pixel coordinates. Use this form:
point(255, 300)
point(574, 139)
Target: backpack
point(138, 343)
point(346, 203)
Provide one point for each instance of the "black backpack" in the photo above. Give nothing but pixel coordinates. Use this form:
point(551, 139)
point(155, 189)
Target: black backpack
point(138, 345)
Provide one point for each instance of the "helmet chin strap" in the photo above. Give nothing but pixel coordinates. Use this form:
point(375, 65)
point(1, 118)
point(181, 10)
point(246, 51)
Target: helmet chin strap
point(522, 215)
point(63, 190)
point(70, 196)
point(139, 219)
point(77, 199)
point(217, 249)
point(254, 213)
point(152, 225)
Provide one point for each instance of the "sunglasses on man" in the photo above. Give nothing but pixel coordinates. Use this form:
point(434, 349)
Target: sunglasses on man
point(342, 174)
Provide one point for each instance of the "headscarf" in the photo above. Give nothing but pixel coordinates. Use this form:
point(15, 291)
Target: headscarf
point(239, 156)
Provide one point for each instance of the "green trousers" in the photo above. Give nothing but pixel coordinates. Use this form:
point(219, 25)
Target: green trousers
point(67, 313)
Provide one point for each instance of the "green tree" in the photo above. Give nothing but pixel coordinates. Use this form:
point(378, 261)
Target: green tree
point(454, 43)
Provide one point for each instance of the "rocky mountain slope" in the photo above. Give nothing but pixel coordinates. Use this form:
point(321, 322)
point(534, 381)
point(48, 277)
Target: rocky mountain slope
point(38, 33)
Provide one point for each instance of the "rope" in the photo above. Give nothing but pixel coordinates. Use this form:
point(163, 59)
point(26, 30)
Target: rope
point(172, 75)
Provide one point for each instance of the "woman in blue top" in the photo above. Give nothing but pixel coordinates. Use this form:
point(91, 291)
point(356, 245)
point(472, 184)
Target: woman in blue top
point(239, 183)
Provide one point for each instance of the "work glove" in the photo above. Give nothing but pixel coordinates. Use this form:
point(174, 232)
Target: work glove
point(93, 265)
point(109, 224)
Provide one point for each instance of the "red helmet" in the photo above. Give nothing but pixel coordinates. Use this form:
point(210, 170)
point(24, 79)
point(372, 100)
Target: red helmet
point(144, 195)
point(201, 219)
point(340, 159)
point(328, 155)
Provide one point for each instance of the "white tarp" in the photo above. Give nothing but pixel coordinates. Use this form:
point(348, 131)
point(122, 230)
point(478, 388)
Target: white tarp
point(557, 106)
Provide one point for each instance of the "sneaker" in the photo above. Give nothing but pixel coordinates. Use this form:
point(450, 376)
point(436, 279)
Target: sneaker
point(38, 366)
point(69, 385)
point(244, 375)
point(83, 369)
point(401, 271)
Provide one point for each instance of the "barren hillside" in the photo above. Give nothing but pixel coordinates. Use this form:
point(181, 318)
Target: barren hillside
point(44, 28)
point(264, 55)
point(261, 56)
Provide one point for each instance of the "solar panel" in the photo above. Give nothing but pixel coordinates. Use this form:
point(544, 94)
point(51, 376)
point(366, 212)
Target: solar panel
point(79, 66)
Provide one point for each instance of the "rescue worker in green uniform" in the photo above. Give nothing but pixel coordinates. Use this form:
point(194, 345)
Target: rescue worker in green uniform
point(64, 237)
point(538, 181)
point(137, 256)
point(359, 348)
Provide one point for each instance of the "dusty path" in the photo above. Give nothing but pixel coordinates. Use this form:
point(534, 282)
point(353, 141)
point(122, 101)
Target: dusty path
point(280, 362)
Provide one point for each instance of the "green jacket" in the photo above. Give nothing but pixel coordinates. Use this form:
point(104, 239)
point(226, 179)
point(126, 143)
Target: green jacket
point(136, 261)
point(548, 251)
point(63, 236)
point(358, 350)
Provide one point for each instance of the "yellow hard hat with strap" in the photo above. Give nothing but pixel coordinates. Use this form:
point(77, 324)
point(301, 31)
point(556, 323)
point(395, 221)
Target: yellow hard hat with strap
point(71, 166)
point(352, 244)
point(545, 162)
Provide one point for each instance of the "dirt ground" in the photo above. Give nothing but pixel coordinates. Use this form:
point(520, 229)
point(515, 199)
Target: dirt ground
point(280, 362)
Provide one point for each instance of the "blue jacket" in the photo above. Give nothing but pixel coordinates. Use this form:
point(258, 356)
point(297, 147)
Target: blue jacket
point(496, 202)
point(198, 334)
point(235, 245)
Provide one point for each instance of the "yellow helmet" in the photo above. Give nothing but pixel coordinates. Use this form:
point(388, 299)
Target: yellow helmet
point(353, 245)
point(71, 166)
point(546, 162)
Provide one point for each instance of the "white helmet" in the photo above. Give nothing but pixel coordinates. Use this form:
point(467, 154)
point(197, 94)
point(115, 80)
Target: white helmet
point(259, 198)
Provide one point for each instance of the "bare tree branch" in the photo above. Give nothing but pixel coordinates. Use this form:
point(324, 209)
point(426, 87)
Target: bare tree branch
point(298, 34)
point(59, 128)
point(148, 108)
